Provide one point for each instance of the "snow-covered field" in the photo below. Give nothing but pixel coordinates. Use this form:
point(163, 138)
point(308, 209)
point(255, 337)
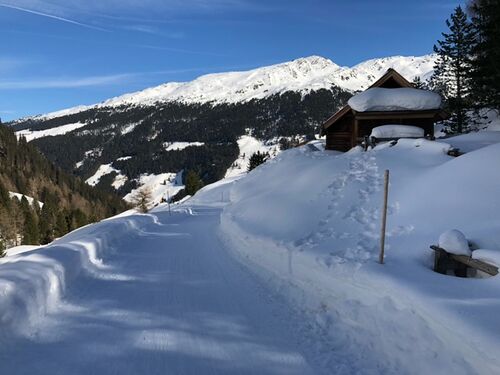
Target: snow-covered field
point(274, 272)
point(161, 186)
point(60, 130)
point(249, 145)
point(103, 170)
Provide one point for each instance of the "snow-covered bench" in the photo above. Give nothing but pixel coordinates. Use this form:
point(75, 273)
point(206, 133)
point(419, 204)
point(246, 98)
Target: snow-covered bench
point(454, 254)
point(388, 133)
point(445, 261)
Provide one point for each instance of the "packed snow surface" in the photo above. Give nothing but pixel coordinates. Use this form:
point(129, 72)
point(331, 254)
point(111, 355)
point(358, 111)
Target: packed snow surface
point(454, 242)
point(399, 99)
point(144, 294)
point(274, 272)
point(301, 75)
point(397, 131)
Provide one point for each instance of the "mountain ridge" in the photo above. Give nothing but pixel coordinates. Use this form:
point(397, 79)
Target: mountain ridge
point(302, 75)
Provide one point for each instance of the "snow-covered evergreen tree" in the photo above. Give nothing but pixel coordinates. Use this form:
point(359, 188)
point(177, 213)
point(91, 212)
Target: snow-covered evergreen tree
point(452, 72)
point(486, 63)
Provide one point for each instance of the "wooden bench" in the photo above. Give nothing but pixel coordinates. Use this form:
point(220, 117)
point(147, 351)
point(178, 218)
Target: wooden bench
point(445, 261)
point(372, 141)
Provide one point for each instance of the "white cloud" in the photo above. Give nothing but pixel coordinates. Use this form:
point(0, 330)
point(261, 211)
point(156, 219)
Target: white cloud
point(65, 82)
point(92, 81)
point(55, 17)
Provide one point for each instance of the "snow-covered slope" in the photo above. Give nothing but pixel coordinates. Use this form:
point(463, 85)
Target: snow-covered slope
point(163, 293)
point(301, 75)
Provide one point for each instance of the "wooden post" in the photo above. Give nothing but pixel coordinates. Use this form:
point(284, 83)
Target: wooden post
point(168, 201)
point(384, 217)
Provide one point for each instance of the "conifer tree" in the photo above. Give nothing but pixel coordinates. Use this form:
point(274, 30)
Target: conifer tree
point(142, 199)
point(257, 159)
point(486, 62)
point(419, 84)
point(452, 72)
point(193, 182)
point(31, 235)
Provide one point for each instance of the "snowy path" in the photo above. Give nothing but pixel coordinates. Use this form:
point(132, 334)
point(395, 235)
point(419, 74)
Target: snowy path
point(171, 302)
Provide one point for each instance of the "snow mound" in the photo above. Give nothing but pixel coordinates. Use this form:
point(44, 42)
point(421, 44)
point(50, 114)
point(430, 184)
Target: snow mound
point(33, 283)
point(400, 99)
point(397, 131)
point(475, 140)
point(454, 242)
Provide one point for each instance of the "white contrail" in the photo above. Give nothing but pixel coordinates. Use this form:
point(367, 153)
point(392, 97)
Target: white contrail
point(53, 17)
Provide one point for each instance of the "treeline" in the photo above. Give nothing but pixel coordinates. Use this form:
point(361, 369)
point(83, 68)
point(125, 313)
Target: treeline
point(61, 201)
point(141, 131)
point(467, 71)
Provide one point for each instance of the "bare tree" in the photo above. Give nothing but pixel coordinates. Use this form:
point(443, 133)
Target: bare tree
point(142, 199)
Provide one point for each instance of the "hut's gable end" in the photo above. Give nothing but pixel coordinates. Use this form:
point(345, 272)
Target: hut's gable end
point(392, 80)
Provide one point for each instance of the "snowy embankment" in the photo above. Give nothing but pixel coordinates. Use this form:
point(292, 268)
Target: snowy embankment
point(309, 223)
point(33, 283)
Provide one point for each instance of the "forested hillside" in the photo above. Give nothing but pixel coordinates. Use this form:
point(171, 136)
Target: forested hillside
point(61, 202)
point(134, 138)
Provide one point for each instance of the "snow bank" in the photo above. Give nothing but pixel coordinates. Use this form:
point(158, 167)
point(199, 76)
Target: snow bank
point(397, 131)
point(21, 249)
point(400, 99)
point(454, 242)
point(33, 283)
point(308, 223)
point(474, 141)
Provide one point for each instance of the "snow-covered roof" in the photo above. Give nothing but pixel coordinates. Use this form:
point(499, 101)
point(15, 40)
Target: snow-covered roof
point(397, 99)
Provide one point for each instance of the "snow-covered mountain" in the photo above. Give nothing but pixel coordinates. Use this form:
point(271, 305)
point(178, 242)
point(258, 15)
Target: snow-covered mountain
point(300, 75)
point(124, 141)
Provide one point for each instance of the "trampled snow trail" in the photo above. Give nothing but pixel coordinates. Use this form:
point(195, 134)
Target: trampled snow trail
point(171, 302)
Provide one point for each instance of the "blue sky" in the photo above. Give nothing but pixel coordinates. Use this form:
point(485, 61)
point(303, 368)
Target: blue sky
point(61, 53)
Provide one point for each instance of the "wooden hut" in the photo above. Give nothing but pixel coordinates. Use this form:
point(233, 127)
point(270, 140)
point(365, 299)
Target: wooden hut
point(347, 127)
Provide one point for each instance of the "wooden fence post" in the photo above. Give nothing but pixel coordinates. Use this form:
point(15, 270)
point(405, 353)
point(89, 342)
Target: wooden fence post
point(384, 217)
point(168, 201)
